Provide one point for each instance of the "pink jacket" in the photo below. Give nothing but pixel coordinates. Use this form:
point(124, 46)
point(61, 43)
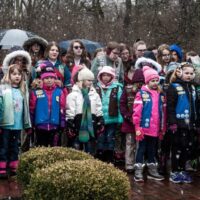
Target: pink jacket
point(155, 120)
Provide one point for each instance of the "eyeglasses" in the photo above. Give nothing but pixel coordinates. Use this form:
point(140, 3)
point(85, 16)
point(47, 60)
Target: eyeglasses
point(141, 50)
point(166, 55)
point(78, 47)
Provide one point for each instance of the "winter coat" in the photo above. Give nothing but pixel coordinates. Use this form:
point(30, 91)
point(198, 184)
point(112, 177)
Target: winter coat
point(126, 108)
point(7, 109)
point(173, 95)
point(110, 98)
point(157, 112)
point(74, 106)
point(39, 93)
point(104, 60)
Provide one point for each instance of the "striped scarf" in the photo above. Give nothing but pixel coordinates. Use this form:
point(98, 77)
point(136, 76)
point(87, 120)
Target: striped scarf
point(86, 129)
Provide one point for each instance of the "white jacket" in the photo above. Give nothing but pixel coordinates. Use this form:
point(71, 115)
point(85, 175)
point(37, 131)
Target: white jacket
point(74, 104)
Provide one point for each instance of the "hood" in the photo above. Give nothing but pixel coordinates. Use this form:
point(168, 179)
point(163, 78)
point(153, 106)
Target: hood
point(108, 70)
point(178, 50)
point(10, 56)
point(148, 62)
point(28, 43)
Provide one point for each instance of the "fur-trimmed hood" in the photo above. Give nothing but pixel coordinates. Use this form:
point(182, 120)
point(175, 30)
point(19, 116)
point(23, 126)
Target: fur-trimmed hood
point(9, 57)
point(41, 41)
point(141, 62)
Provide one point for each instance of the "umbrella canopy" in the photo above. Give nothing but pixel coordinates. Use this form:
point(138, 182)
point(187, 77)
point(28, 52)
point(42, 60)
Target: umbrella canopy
point(13, 37)
point(90, 46)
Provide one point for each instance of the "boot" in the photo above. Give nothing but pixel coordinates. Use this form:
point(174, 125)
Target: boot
point(153, 172)
point(139, 172)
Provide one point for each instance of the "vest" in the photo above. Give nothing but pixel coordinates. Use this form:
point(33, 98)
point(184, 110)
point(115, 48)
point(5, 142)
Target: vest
point(43, 115)
point(113, 103)
point(130, 92)
point(147, 109)
point(183, 109)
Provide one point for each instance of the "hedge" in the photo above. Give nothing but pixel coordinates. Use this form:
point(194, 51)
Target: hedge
point(43, 156)
point(78, 180)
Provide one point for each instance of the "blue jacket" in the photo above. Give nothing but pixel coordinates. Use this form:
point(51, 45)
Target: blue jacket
point(43, 115)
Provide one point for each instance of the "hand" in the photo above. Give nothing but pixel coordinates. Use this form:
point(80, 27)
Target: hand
point(139, 135)
point(70, 133)
point(100, 131)
point(173, 128)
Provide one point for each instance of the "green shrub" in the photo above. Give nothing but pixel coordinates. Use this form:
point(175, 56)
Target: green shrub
point(42, 157)
point(78, 180)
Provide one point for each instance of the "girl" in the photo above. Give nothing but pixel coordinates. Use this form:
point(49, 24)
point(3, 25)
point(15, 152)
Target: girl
point(148, 118)
point(182, 121)
point(14, 116)
point(47, 107)
point(126, 104)
point(77, 55)
point(84, 112)
point(110, 93)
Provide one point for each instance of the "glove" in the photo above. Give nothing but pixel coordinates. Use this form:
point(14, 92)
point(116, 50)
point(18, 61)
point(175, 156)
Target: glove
point(100, 131)
point(29, 131)
point(161, 135)
point(173, 128)
point(139, 135)
point(70, 130)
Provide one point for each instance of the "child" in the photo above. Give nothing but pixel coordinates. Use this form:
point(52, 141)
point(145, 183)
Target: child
point(110, 93)
point(148, 118)
point(84, 112)
point(182, 121)
point(47, 107)
point(126, 108)
point(14, 116)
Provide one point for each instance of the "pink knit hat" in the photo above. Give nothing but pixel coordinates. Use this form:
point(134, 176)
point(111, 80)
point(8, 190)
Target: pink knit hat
point(149, 73)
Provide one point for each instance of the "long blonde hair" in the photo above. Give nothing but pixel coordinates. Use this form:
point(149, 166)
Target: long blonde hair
point(7, 80)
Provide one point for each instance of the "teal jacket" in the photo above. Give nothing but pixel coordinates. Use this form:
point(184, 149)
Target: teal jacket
point(6, 108)
point(108, 97)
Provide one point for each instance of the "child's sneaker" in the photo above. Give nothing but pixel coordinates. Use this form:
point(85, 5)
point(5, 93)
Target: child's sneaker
point(175, 177)
point(186, 178)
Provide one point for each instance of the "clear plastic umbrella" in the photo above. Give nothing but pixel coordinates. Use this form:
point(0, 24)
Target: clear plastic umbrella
point(13, 37)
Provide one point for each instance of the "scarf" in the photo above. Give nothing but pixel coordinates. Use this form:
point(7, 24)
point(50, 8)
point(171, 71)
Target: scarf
point(86, 129)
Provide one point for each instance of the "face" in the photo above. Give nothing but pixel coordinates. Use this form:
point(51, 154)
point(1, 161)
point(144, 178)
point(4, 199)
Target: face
point(114, 54)
point(77, 49)
point(166, 57)
point(19, 60)
point(187, 74)
point(106, 78)
point(87, 83)
point(140, 50)
point(64, 59)
point(15, 77)
point(153, 84)
point(125, 55)
point(49, 81)
point(53, 53)
point(174, 56)
point(35, 48)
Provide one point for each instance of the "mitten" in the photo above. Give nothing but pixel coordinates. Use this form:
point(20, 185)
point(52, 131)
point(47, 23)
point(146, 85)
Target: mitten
point(173, 128)
point(100, 125)
point(139, 135)
point(161, 135)
point(100, 131)
point(1, 131)
point(70, 130)
point(28, 131)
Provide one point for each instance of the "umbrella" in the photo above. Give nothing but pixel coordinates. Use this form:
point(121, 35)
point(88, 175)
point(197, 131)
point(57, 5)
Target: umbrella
point(90, 46)
point(13, 37)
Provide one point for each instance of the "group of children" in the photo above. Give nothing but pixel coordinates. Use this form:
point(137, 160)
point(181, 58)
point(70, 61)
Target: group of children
point(90, 115)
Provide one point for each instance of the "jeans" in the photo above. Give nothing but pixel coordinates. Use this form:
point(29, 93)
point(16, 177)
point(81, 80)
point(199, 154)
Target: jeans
point(148, 146)
point(9, 145)
point(106, 141)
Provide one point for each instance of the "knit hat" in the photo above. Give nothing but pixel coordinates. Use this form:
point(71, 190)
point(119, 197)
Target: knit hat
point(178, 50)
point(149, 74)
point(85, 74)
point(46, 69)
point(138, 76)
point(149, 54)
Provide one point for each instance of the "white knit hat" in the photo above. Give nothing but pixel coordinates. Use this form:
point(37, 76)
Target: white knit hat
point(85, 74)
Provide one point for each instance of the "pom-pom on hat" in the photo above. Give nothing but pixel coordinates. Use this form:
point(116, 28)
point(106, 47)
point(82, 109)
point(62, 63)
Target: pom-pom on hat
point(85, 74)
point(149, 74)
point(46, 70)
